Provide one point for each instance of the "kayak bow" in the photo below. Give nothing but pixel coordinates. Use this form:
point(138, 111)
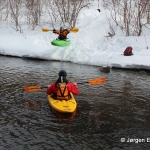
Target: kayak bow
point(61, 43)
point(63, 106)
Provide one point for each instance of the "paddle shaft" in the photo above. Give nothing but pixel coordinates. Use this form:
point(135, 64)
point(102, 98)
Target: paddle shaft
point(77, 83)
point(71, 30)
point(82, 82)
point(42, 87)
point(91, 82)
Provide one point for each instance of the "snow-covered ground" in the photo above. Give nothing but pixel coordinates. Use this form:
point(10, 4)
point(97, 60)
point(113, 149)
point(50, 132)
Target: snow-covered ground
point(90, 45)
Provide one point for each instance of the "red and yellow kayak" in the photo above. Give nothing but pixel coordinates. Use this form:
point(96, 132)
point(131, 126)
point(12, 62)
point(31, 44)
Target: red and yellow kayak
point(63, 106)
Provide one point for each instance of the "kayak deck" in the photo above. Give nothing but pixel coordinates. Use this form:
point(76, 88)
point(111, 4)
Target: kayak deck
point(61, 42)
point(64, 106)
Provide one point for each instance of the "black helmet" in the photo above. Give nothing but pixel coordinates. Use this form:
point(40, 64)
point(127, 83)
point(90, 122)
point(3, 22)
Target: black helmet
point(62, 73)
point(61, 29)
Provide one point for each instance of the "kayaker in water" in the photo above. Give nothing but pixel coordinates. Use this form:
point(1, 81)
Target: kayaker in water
point(62, 33)
point(62, 87)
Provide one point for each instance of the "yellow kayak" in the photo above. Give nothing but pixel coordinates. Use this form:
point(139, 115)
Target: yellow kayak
point(64, 106)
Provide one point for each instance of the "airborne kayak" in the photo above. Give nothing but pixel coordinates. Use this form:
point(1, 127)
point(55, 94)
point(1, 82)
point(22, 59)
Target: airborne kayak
point(61, 42)
point(63, 106)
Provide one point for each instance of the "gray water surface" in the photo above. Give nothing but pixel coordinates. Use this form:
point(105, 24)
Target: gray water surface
point(115, 115)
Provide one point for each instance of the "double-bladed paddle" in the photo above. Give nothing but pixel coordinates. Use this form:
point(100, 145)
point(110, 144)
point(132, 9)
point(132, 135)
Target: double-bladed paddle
point(91, 82)
point(71, 30)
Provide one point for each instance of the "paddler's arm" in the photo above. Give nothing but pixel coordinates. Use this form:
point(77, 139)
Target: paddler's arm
point(73, 87)
point(56, 31)
point(66, 31)
point(50, 89)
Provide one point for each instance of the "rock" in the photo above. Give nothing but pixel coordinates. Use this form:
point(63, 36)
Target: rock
point(105, 69)
point(142, 73)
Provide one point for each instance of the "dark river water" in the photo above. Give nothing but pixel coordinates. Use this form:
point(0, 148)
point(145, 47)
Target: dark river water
point(114, 115)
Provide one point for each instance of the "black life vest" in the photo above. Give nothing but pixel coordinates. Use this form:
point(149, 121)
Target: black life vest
point(62, 36)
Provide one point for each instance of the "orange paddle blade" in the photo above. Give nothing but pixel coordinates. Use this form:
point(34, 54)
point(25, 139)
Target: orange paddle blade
point(45, 30)
point(97, 81)
point(74, 30)
point(32, 88)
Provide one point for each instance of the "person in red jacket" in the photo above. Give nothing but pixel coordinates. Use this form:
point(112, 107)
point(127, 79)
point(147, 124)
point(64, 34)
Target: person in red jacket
point(62, 87)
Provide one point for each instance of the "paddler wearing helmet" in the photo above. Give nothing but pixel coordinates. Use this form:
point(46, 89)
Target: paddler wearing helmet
point(62, 33)
point(61, 88)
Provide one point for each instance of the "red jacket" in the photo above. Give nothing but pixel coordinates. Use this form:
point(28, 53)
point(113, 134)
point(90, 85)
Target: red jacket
point(70, 87)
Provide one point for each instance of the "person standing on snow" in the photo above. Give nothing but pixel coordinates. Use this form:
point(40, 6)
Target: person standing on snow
point(62, 33)
point(62, 87)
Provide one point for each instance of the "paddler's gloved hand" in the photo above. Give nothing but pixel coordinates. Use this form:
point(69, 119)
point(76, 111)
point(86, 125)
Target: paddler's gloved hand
point(48, 85)
point(75, 83)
